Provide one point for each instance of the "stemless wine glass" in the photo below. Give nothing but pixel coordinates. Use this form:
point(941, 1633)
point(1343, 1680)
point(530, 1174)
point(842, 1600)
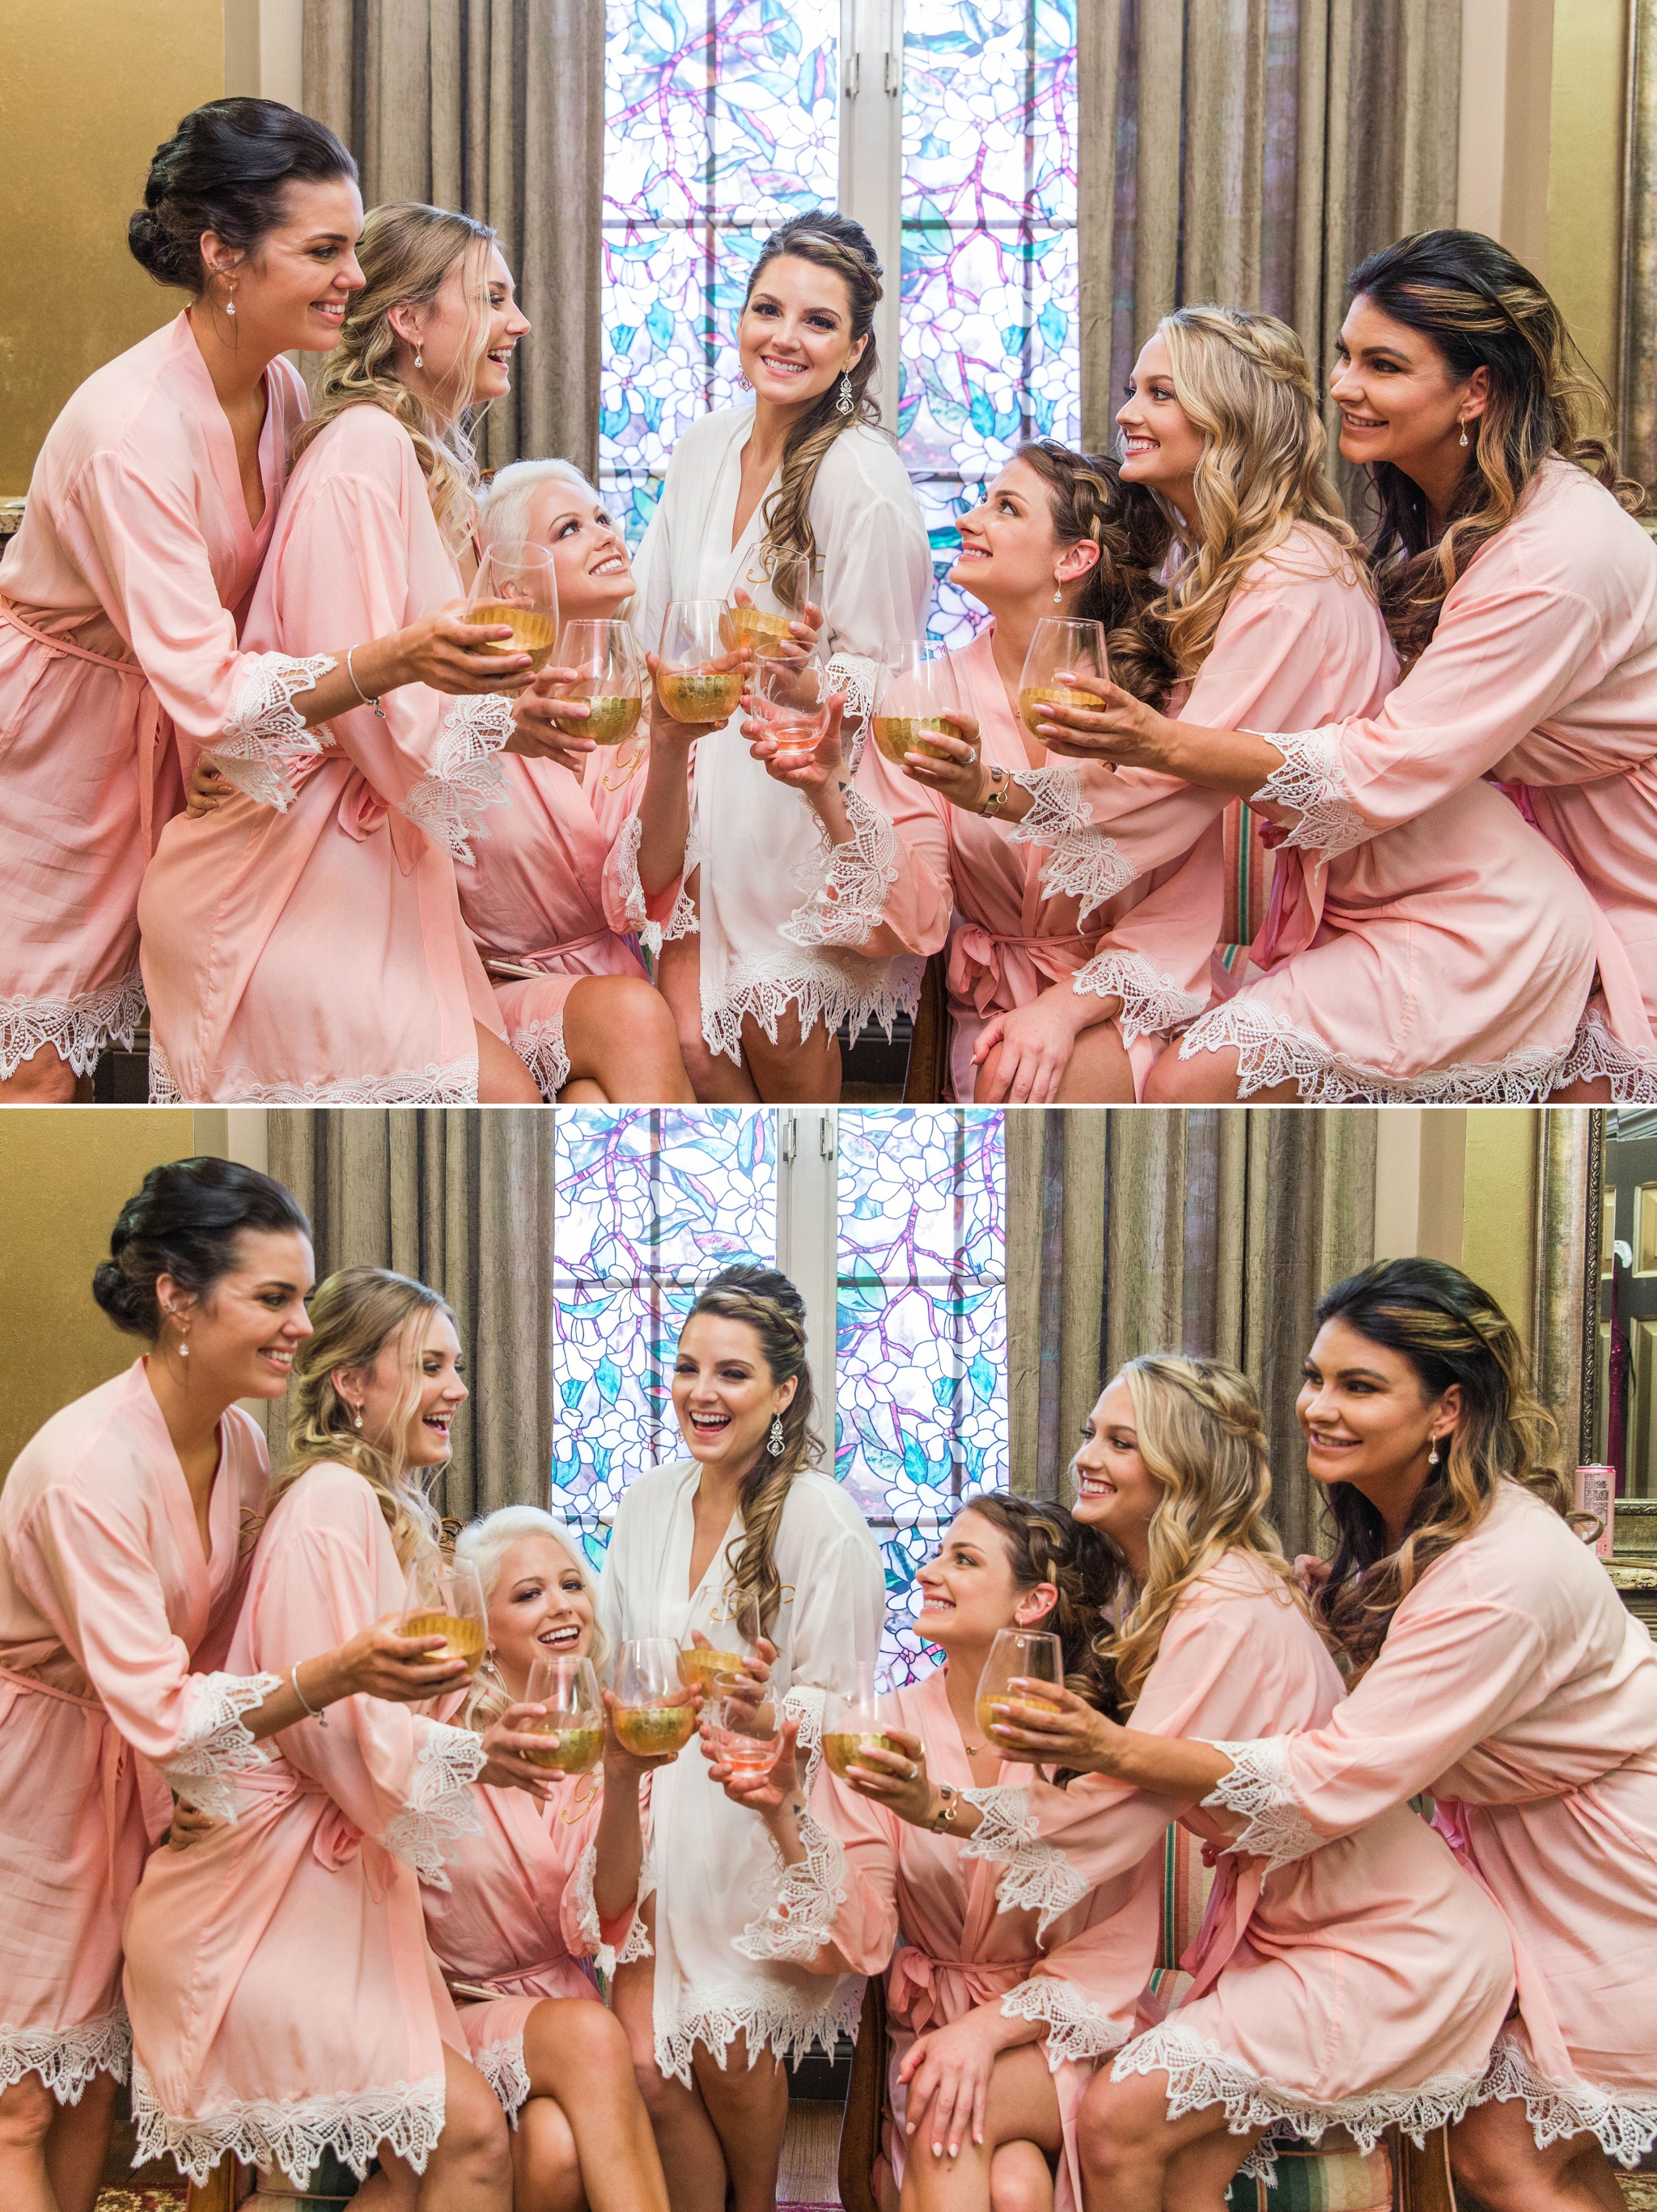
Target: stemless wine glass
point(697, 677)
point(737, 1630)
point(1060, 647)
point(654, 1714)
point(790, 585)
point(915, 691)
point(517, 584)
point(445, 1597)
point(852, 1723)
point(609, 676)
point(1016, 1653)
point(746, 1720)
point(790, 701)
point(569, 1688)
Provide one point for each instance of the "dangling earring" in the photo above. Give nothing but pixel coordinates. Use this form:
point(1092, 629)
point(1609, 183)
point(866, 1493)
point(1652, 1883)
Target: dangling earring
point(1432, 1456)
point(357, 1423)
point(1464, 433)
point(1057, 595)
point(420, 362)
point(842, 406)
point(775, 1445)
point(743, 385)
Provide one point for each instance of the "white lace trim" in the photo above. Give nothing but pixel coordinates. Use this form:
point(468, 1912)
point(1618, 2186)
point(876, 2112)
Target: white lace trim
point(862, 991)
point(453, 1084)
point(66, 2058)
point(858, 678)
point(847, 885)
point(465, 777)
point(440, 1810)
point(787, 2021)
point(1083, 863)
point(214, 1744)
point(627, 862)
point(1152, 1004)
point(540, 1046)
point(408, 2117)
point(1597, 1054)
point(1311, 780)
point(683, 922)
point(802, 1919)
point(264, 733)
point(1039, 1879)
point(1077, 2031)
point(603, 1954)
point(1275, 1829)
point(1626, 2126)
point(1200, 2074)
point(1271, 1051)
point(501, 2065)
point(79, 1029)
point(637, 1943)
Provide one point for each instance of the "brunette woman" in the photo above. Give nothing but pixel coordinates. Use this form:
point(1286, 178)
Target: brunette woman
point(149, 512)
point(806, 471)
point(126, 1531)
point(996, 2028)
point(744, 1519)
point(1495, 1666)
point(282, 1998)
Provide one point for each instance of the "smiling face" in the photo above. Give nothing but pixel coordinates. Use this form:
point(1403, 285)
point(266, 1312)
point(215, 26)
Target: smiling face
point(1367, 1419)
point(292, 289)
point(445, 333)
point(244, 1329)
point(1011, 559)
point(967, 1592)
point(1400, 400)
point(589, 553)
point(1161, 443)
point(539, 1609)
point(379, 1392)
point(723, 1392)
point(1116, 1491)
point(795, 335)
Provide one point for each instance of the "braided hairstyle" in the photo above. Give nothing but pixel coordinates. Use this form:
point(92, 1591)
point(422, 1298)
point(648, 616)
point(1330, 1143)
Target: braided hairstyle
point(1046, 1543)
point(1451, 1333)
point(1201, 1437)
point(1088, 500)
point(767, 1303)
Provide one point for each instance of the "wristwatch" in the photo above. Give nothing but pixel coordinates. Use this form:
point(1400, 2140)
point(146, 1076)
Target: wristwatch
point(943, 1819)
point(1000, 784)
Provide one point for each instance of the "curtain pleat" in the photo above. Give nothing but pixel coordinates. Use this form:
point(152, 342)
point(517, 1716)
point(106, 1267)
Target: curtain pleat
point(464, 1201)
point(1637, 385)
point(1565, 1272)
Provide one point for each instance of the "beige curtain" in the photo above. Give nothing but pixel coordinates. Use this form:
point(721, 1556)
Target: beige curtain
point(1250, 152)
point(464, 1200)
point(1638, 384)
point(495, 108)
point(1565, 1302)
point(1210, 1232)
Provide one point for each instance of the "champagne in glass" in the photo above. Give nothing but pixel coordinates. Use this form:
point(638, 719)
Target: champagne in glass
point(851, 1723)
point(1018, 1652)
point(916, 693)
point(790, 700)
point(746, 1722)
point(654, 1714)
point(444, 1597)
point(790, 586)
point(517, 584)
point(1058, 648)
point(736, 1627)
point(699, 675)
point(609, 678)
point(575, 1718)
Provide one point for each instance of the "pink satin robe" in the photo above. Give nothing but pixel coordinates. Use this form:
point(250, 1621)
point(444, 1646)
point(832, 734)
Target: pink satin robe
point(1542, 673)
point(1514, 1686)
point(303, 944)
point(1361, 1988)
point(108, 1607)
point(518, 1917)
point(282, 1995)
point(120, 600)
point(895, 1900)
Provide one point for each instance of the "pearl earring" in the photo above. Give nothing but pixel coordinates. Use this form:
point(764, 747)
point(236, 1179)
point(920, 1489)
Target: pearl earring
point(776, 1446)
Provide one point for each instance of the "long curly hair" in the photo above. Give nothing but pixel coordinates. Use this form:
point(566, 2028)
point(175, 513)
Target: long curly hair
point(1451, 1333)
point(1481, 309)
point(1244, 380)
point(355, 1314)
point(831, 241)
point(1089, 501)
point(1046, 1543)
point(770, 1305)
point(406, 253)
point(1201, 1437)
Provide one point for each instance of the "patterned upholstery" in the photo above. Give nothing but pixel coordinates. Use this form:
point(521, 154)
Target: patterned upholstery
point(1249, 866)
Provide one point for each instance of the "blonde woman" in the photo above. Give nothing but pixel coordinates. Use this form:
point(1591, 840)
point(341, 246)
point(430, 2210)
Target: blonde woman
point(283, 2000)
point(805, 471)
point(1364, 1990)
point(305, 943)
point(745, 1518)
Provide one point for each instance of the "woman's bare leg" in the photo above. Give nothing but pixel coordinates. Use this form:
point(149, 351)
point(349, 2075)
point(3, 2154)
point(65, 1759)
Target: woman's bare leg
point(502, 1078)
point(470, 2168)
point(44, 1079)
point(1493, 2154)
point(718, 1080)
point(620, 1033)
point(1207, 1078)
point(78, 2145)
point(1020, 2179)
point(748, 2107)
point(28, 2113)
point(578, 2053)
point(581, 1092)
point(685, 2137)
point(545, 2164)
point(795, 1071)
point(1135, 2159)
point(1021, 2115)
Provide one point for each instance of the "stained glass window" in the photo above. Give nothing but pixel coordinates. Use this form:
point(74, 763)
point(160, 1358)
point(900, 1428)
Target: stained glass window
point(721, 119)
point(989, 343)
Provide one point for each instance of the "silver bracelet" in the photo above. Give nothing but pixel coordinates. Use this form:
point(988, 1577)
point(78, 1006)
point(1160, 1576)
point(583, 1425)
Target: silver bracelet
point(366, 701)
point(314, 1711)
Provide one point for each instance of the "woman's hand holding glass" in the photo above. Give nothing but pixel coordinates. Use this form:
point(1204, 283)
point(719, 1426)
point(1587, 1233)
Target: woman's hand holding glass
point(1121, 731)
point(793, 724)
point(515, 1753)
point(771, 1789)
point(896, 1778)
point(1055, 1727)
point(953, 764)
point(450, 654)
point(384, 1661)
point(668, 729)
point(623, 1766)
point(546, 726)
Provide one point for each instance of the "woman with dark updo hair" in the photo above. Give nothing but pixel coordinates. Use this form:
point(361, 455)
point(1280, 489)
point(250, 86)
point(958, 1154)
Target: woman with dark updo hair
point(150, 508)
point(126, 1528)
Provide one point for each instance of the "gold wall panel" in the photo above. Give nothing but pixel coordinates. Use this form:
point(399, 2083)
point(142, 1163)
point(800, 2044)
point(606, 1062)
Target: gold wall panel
point(88, 90)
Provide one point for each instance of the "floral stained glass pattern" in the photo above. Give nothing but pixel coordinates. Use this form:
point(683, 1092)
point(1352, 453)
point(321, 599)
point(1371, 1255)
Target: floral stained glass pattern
point(651, 1203)
point(721, 119)
point(989, 342)
point(921, 1351)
